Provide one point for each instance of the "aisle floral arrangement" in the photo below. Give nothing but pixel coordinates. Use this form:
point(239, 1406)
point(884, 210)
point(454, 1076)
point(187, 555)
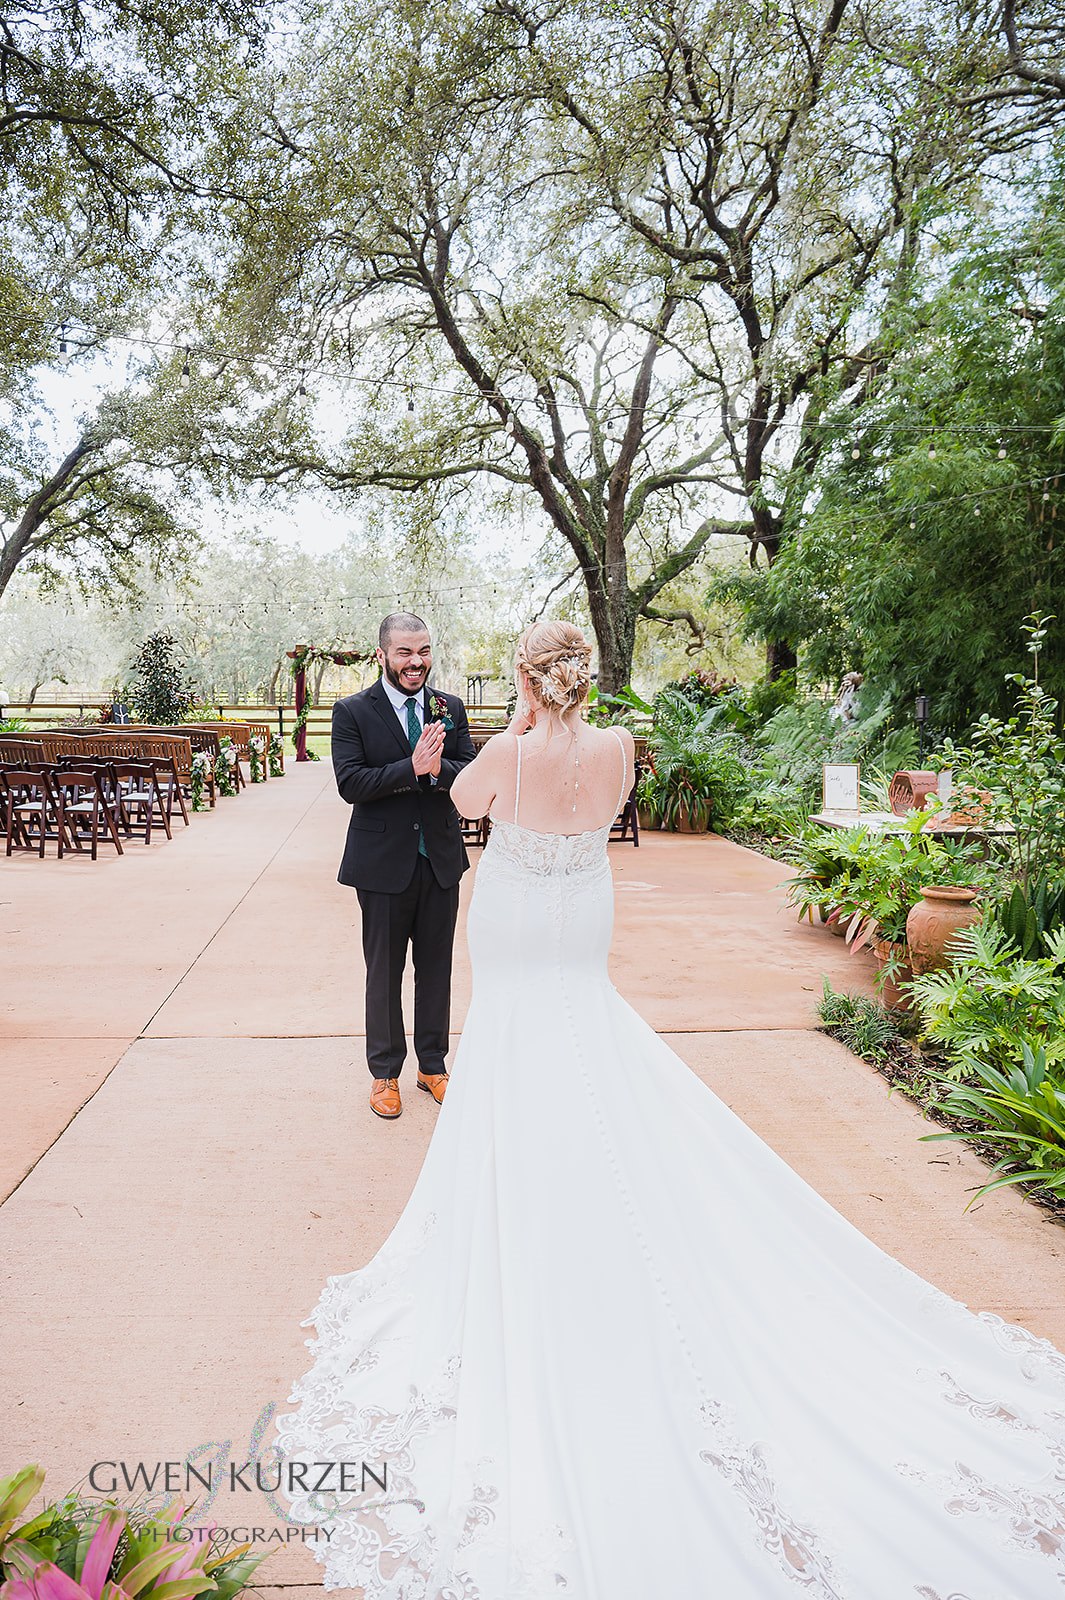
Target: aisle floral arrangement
point(201, 772)
point(225, 770)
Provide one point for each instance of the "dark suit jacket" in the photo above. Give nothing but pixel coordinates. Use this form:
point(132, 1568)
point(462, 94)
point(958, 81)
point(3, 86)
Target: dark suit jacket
point(375, 775)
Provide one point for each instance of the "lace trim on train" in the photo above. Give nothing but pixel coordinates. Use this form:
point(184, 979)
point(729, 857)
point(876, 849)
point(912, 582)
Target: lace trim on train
point(385, 1544)
point(1029, 1517)
point(796, 1548)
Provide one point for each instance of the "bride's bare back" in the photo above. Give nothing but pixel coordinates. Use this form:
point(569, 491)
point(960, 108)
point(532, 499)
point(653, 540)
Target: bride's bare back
point(552, 779)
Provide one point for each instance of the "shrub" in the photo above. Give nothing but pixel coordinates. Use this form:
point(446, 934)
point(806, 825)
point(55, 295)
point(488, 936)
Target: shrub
point(159, 690)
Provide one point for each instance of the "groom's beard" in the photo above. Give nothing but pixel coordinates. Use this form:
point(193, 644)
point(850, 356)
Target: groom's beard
point(397, 681)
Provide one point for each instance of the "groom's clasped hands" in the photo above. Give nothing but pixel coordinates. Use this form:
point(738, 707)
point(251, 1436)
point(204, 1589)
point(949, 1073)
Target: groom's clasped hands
point(425, 757)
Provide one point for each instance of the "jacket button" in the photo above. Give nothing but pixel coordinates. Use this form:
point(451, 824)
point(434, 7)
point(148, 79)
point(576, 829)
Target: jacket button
point(416, 827)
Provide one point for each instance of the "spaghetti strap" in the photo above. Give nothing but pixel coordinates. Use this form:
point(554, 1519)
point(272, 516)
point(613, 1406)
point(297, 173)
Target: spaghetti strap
point(517, 779)
point(624, 770)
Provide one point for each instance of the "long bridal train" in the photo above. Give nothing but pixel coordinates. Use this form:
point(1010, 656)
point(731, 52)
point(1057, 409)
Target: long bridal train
point(616, 1348)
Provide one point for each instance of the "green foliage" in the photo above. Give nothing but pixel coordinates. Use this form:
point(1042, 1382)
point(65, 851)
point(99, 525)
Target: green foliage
point(873, 879)
point(883, 884)
point(626, 708)
point(707, 690)
point(797, 741)
point(1021, 1110)
point(159, 690)
point(1019, 761)
point(769, 695)
point(991, 1001)
point(858, 1022)
point(13, 724)
point(774, 810)
point(697, 773)
point(930, 531)
point(1029, 917)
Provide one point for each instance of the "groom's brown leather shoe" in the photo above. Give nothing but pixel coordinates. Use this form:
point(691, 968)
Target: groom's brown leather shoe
point(435, 1083)
point(384, 1097)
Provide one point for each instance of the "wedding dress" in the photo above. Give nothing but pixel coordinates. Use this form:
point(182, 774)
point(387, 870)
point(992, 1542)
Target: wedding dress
point(616, 1349)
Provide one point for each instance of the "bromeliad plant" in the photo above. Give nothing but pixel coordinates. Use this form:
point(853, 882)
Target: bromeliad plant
point(79, 1549)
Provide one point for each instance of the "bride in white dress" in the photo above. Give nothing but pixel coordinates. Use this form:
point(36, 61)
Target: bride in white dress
point(614, 1347)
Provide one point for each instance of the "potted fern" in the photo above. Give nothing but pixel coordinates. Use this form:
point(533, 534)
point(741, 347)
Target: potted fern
point(696, 774)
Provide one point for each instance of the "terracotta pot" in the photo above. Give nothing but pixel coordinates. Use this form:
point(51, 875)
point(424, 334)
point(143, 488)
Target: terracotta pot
point(692, 821)
point(890, 993)
point(909, 790)
point(939, 914)
point(648, 818)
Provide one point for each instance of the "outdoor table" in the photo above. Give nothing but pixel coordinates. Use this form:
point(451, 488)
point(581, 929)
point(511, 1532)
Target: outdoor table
point(884, 821)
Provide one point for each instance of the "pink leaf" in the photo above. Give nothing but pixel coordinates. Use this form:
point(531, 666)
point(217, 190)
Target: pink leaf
point(101, 1551)
point(50, 1582)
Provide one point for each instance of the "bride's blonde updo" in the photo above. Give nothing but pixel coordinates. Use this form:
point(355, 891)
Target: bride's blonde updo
point(558, 660)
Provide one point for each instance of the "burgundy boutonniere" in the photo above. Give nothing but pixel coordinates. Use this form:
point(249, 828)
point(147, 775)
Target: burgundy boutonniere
point(438, 711)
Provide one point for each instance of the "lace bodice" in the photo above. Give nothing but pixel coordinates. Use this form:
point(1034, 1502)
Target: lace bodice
point(511, 844)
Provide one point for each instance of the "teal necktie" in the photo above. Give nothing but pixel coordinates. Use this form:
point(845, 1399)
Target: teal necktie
point(414, 733)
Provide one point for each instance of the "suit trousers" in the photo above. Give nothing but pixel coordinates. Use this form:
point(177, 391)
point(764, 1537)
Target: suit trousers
point(421, 916)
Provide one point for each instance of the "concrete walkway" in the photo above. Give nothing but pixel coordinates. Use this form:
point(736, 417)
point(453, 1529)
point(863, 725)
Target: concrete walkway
point(188, 1152)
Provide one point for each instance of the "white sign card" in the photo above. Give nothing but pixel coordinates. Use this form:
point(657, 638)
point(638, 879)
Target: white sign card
point(945, 785)
point(840, 791)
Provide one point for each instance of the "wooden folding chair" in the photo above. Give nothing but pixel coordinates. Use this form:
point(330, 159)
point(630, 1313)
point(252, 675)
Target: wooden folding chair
point(28, 803)
point(138, 794)
point(169, 781)
point(627, 823)
point(71, 812)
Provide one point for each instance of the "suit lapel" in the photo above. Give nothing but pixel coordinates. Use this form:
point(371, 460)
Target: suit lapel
point(383, 706)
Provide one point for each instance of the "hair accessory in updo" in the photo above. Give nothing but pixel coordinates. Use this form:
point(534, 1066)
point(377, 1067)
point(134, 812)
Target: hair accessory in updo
point(558, 660)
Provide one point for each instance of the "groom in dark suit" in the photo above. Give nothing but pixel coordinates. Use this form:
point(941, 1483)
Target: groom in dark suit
point(396, 749)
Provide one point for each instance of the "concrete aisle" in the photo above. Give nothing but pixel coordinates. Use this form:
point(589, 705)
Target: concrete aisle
point(188, 1151)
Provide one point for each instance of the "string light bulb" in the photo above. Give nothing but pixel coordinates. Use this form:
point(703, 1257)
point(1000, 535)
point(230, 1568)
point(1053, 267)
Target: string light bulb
point(186, 367)
point(63, 340)
point(1002, 453)
point(856, 454)
point(302, 390)
point(931, 452)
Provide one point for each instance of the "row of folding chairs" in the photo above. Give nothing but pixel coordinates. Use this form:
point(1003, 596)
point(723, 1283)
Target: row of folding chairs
point(81, 802)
